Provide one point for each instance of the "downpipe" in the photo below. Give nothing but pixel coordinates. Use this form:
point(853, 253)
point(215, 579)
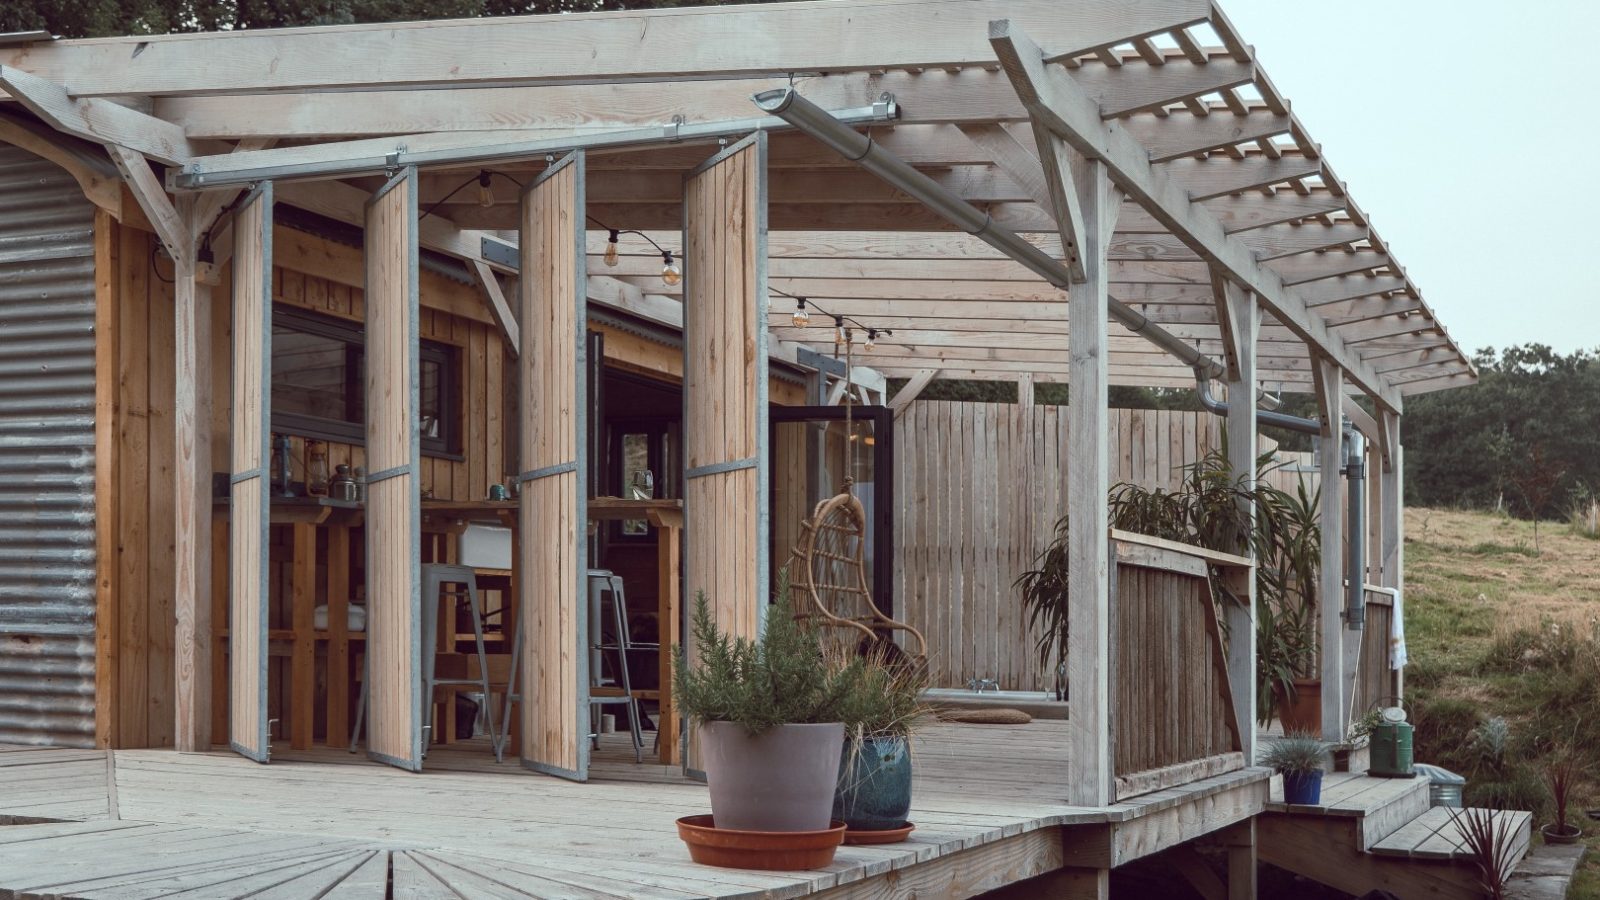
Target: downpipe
point(1272, 417)
point(1355, 474)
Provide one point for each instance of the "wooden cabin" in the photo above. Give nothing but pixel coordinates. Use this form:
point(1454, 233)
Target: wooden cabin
point(628, 291)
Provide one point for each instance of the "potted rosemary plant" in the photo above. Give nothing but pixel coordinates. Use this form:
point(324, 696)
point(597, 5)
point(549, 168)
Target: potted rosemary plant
point(1299, 758)
point(770, 717)
point(883, 710)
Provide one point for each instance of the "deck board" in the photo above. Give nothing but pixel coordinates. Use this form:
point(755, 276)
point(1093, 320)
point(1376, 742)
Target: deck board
point(324, 822)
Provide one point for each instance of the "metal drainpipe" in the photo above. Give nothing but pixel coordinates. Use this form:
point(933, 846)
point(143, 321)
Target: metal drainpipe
point(1271, 417)
point(1355, 473)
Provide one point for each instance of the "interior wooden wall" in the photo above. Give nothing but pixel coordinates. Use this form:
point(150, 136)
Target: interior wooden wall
point(136, 684)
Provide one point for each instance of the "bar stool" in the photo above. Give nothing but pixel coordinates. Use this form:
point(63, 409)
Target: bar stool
point(600, 582)
point(459, 583)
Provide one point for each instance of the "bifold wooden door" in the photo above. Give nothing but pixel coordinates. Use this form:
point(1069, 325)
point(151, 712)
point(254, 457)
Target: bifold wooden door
point(393, 511)
point(726, 511)
point(554, 564)
point(250, 485)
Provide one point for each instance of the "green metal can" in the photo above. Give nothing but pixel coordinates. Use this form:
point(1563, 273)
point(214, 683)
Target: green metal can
point(1391, 751)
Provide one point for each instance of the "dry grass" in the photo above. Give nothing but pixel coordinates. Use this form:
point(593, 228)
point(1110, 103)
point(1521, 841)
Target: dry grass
point(1483, 609)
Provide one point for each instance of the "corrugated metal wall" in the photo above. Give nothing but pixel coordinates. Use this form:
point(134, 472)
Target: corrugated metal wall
point(47, 547)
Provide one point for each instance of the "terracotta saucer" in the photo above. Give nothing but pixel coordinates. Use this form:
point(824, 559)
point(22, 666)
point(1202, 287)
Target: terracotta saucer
point(890, 836)
point(781, 851)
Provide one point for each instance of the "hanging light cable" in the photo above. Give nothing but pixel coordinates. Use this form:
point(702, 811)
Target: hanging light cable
point(671, 270)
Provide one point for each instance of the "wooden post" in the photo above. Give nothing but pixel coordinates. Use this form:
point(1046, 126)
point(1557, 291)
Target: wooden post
point(1089, 760)
point(1392, 525)
point(1330, 595)
point(1241, 843)
point(1244, 319)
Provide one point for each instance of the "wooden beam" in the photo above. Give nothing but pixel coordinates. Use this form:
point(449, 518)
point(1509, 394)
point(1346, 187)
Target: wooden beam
point(1124, 89)
point(1060, 104)
point(1090, 772)
point(902, 398)
point(1221, 175)
point(1012, 158)
point(1173, 136)
point(1329, 388)
point(157, 206)
point(100, 121)
point(1392, 523)
point(658, 45)
point(495, 297)
point(1321, 264)
point(1244, 325)
point(191, 484)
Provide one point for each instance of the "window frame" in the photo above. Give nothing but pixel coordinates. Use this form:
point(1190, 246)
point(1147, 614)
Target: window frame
point(448, 357)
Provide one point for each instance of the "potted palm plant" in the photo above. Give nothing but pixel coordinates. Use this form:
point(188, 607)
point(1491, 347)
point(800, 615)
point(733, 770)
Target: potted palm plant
point(885, 708)
point(1299, 758)
point(770, 717)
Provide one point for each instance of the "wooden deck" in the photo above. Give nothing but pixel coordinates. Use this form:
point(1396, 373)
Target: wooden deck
point(1377, 833)
point(146, 823)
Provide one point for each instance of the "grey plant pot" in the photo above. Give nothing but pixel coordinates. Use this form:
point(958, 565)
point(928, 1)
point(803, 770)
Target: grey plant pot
point(780, 780)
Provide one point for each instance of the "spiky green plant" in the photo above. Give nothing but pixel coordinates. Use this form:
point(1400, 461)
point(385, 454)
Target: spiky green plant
point(783, 678)
point(1490, 839)
point(1296, 753)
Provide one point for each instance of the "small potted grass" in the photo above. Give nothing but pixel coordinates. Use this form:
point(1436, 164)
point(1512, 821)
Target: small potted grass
point(882, 712)
point(769, 716)
point(1299, 758)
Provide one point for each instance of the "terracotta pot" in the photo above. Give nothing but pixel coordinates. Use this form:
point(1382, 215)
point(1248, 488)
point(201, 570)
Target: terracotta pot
point(874, 784)
point(780, 780)
point(1573, 835)
point(1303, 711)
point(771, 850)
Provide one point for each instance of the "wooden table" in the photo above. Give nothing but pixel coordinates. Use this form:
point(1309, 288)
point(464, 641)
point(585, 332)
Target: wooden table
point(666, 517)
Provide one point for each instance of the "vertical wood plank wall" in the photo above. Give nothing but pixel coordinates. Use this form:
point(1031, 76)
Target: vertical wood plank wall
point(394, 617)
point(725, 422)
point(1168, 677)
point(979, 493)
point(248, 509)
point(1374, 679)
point(555, 710)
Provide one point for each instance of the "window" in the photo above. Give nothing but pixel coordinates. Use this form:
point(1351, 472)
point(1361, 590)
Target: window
point(317, 387)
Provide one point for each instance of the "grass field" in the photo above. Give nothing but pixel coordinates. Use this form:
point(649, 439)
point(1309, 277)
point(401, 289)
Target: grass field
point(1501, 626)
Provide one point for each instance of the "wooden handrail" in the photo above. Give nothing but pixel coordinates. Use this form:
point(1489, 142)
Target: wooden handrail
point(1214, 557)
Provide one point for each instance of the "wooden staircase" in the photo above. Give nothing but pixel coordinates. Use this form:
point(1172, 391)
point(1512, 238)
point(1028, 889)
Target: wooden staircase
point(1372, 833)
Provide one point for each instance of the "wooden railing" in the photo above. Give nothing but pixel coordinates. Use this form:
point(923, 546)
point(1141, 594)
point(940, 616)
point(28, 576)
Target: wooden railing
point(1374, 680)
point(1173, 717)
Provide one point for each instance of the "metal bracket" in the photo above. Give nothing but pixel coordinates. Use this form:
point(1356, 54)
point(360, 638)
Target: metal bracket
point(671, 130)
point(885, 106)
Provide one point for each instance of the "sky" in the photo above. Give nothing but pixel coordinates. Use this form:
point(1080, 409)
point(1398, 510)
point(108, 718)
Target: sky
point(1467, 131)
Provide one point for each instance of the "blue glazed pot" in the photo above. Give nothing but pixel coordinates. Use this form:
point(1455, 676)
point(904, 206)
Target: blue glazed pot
point(874, 791)
point(1303, 788)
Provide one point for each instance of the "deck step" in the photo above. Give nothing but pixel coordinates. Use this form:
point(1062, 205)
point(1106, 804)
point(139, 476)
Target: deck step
point(1380, 805)
point(1433, 835)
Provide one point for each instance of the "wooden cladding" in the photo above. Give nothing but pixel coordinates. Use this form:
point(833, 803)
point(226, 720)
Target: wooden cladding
point(1374, 680)
point(979, 489)
point(553, 577)
point(393, 509)
point(249, 491)
point(725, 385)
point(1171, 703)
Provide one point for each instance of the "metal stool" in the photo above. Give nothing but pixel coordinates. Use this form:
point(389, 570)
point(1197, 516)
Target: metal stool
point(435, 578)
point(601, 582)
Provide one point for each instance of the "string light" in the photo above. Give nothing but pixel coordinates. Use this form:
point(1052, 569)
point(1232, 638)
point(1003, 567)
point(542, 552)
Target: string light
point(671, 270)
point(844, 327)
point(840, 335)
point(872, 340)
point(801, 317)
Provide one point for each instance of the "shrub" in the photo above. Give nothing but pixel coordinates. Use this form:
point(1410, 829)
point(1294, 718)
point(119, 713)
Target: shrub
point(781, 679)
point(1295, 753)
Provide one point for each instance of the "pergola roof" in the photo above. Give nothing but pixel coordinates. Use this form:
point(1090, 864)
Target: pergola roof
point(1222, 181)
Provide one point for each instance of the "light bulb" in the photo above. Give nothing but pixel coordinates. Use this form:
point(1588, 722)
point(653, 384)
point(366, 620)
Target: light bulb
point(840, 336)
point(670, 272)
point(611, 249)
point(485, 195)
point(872, 340)
point(801, 317)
